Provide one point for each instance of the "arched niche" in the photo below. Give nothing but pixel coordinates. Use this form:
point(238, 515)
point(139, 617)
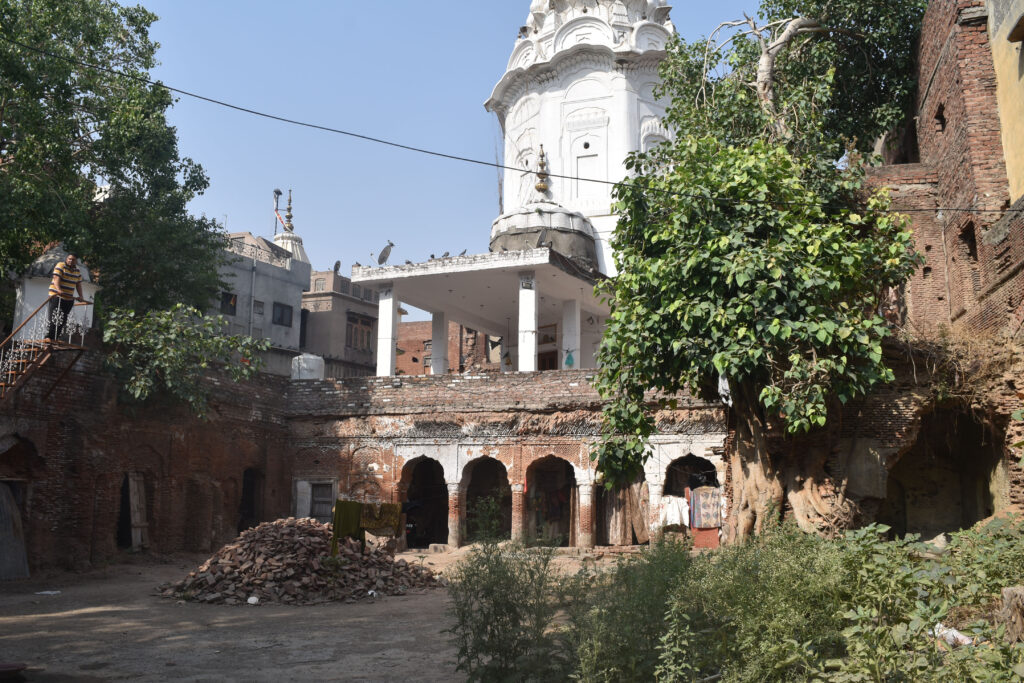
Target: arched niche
point(486, 478)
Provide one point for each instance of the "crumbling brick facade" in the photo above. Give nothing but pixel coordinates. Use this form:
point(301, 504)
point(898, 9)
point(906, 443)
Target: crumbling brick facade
point(958, 195)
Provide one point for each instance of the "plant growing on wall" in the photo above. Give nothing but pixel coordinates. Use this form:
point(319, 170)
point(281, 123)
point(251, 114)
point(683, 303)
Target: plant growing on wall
point(748, 248)
point(172, 350)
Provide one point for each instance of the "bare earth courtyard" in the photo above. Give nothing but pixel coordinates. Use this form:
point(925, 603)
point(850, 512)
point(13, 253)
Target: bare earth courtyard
point(110, 624)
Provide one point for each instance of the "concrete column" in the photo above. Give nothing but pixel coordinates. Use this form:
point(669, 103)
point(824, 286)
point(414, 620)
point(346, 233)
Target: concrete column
point(572, 354)
point(439, 343)
point(527, 321)
point(454, 516)
point(586, 535)
point(387, 331)
point(518, 513)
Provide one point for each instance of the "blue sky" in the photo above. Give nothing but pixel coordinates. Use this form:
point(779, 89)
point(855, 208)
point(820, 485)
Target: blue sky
point(413, 71)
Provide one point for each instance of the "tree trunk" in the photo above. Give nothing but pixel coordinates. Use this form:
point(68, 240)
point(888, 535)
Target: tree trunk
point(757, 490)
point(761, 482)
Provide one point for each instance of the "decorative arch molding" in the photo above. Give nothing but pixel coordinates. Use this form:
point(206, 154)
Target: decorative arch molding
point(586, 89)
point(523, 56)
point(585, 30)
point(650, 37)
point(523, 111)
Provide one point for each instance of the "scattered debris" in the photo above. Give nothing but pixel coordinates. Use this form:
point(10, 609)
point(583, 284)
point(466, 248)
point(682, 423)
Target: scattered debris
point(288, 561)
point(951, 636)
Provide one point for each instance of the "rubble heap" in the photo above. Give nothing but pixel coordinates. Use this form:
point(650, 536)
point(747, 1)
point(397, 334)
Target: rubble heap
point(288, 561)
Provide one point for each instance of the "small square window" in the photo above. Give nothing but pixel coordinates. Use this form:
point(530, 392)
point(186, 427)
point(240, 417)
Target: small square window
point(257, 308)
point(282, 315)
point(319, 284)
point(228, 303)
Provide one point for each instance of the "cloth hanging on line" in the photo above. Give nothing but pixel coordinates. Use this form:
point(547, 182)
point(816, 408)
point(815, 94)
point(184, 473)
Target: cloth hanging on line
point(705, 508)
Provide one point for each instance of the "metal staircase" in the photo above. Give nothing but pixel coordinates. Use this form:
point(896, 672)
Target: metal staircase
point(26, 350)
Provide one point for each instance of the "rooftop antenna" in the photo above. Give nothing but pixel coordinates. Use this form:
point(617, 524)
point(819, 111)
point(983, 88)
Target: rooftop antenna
point(277, 214)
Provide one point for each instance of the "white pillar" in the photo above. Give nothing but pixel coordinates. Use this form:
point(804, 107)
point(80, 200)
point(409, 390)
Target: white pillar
point(387, 331)
point(571, 336)
point(439, 344)
point(527, 321)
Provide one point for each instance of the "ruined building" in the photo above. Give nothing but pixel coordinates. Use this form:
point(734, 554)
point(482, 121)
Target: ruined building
point(81, 474)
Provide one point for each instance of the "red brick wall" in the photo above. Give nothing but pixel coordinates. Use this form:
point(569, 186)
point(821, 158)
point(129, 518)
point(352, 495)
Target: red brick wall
point(412, 338)
point(974, 284)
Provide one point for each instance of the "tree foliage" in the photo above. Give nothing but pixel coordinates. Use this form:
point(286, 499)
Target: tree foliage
point(748, 248)
point(172, 350)
point(87, 156)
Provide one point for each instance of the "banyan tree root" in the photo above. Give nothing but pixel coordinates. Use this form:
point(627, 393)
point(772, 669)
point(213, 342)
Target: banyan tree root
point(1011, 614)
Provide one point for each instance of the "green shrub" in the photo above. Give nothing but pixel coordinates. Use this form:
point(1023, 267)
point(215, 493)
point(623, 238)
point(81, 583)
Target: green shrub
point(617, 619)
point(504, 603)
point(755, 612)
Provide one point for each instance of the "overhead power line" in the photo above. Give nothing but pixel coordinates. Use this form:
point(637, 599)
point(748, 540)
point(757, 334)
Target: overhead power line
point(435, 153)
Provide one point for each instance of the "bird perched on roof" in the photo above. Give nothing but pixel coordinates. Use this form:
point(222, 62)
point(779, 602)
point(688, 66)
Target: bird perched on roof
point(462, 253)
point(446, 254)
point(432, 257)
point(385, 253)
point(357, 264)
point(337, 267)
point(408, 262)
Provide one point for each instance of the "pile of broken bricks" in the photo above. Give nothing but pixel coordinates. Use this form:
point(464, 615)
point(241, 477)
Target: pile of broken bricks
point(288, 561)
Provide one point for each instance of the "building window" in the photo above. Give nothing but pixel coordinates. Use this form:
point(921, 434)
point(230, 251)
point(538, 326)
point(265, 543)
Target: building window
point(319, 284)
point(282, 315)
point(359, 333)
point(357, 291)
point(322, 503)
point(967, 252)
point(426, 362)
point(228, 303)
point(257, 308)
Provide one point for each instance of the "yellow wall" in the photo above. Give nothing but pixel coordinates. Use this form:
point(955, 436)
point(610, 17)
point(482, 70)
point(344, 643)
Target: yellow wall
point(1009, 62)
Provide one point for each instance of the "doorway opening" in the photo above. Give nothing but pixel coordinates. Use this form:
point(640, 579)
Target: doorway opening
point(552, 502)
point(689, 472)
point(953, 477)
point(250, 507)
point(488, 499)
point(426, 503)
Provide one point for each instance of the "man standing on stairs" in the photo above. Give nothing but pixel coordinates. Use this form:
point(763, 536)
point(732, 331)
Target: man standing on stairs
point(67, 278)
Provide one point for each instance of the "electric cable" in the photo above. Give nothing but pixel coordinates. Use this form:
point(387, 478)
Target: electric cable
point(444, 155)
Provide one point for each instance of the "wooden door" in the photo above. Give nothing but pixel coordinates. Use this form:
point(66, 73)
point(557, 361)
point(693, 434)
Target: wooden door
point(137, 497)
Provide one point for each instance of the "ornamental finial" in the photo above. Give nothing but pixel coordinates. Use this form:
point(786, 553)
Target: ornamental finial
point(542, 172)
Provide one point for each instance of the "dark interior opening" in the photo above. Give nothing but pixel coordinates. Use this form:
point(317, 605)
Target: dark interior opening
point(426, 517)
point(250, 508)
point(488, 479)
point(689, 471)
point(124, 516)
point(551, 501)
point(951, 478)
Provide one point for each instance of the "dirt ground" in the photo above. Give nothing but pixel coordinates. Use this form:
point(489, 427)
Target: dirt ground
point(110, 624)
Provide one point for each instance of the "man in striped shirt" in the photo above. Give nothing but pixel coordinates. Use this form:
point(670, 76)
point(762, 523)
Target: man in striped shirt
point(67, 278)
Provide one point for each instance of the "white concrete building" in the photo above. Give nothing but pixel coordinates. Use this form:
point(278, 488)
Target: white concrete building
point(577, 97)
point(263, 296)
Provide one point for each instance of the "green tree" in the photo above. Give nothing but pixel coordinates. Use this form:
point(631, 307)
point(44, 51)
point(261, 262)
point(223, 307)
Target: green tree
point(87, 156)
point(170, 351)
point(748, 249)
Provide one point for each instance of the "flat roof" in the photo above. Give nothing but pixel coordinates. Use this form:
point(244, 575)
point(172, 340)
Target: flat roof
point(482, 290)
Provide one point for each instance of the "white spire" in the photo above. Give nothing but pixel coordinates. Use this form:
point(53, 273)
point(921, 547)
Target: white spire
point(288, 240)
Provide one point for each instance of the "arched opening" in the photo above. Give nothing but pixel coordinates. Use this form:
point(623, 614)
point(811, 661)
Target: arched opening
point(951, 478)
point(487, 480)
point(426, 503)
point(623, 514)
point(250, 505)
point(18, 462)
point(689, 472)
point(552, 502)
